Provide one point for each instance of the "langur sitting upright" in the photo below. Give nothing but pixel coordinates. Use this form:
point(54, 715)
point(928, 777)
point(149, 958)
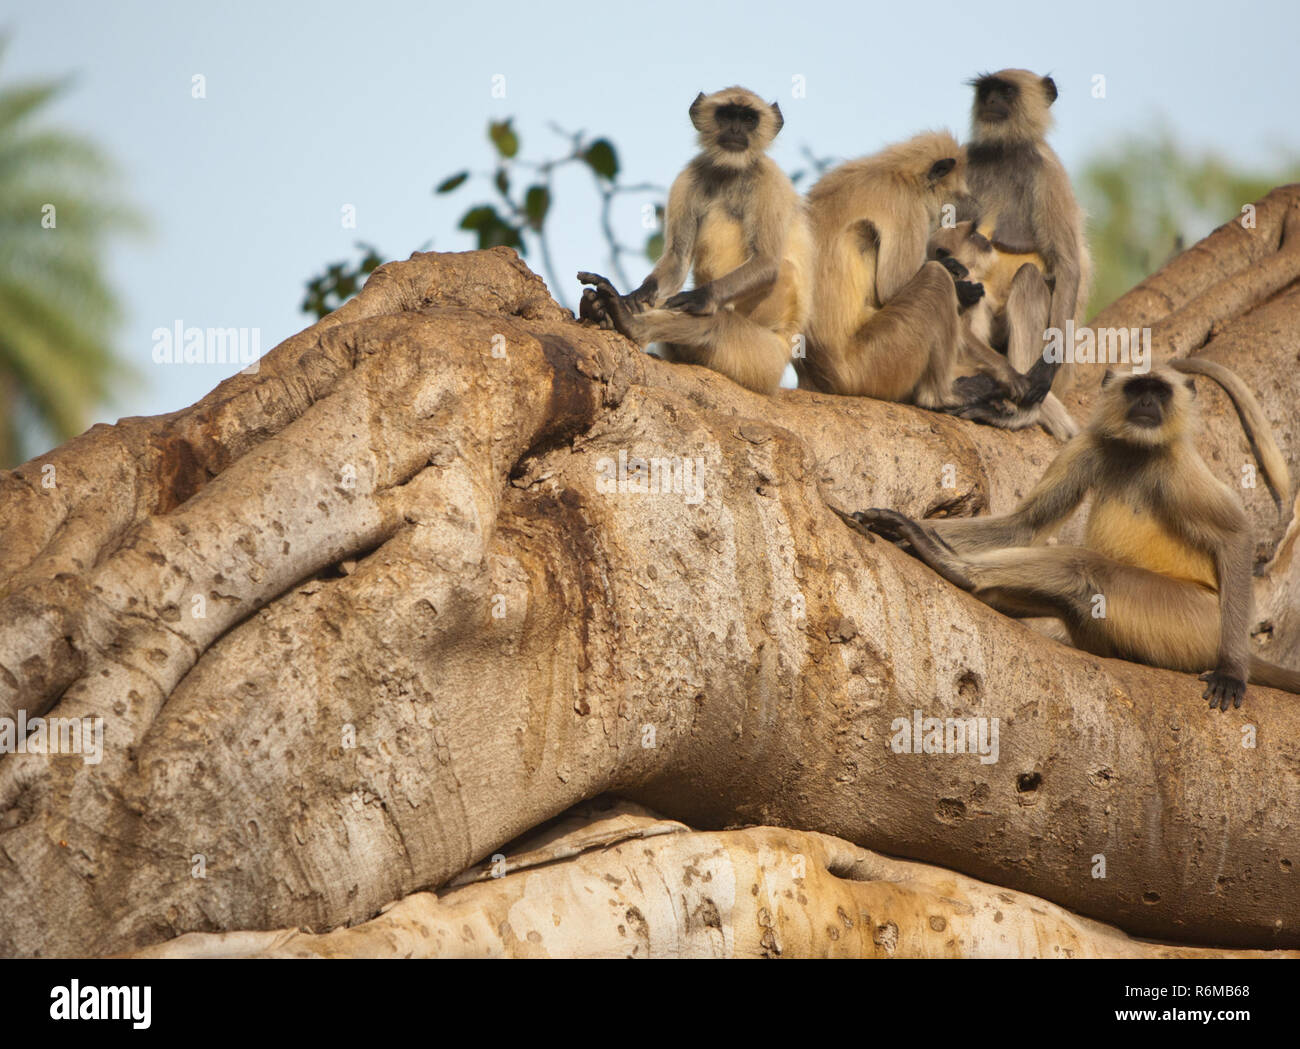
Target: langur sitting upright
point(736, 221)
point(1023, 204)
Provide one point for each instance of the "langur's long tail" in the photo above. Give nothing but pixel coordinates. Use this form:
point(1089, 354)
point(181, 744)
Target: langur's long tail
point(1273, 676)
point(1258, 431)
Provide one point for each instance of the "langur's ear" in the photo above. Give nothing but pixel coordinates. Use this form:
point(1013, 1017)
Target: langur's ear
point(979, 240)
point(1108, 378)
point(941, 167)
point(1049, 89)
point(780, 120)
point(697, 111)
point(1191, 385)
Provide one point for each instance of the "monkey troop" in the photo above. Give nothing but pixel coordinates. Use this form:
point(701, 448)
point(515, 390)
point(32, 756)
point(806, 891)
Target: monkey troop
point(932, 275)
point(1167, 545)
point(841, 287)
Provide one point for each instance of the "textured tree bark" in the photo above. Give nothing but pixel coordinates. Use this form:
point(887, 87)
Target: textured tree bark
point(356, 620)
point(618, 883)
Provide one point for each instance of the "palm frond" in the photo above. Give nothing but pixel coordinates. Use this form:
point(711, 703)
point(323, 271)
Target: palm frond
point(57, 310)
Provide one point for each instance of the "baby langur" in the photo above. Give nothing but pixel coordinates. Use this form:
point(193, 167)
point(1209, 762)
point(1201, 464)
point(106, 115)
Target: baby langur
point(736, 221)
point(1022, 200)
point(884, 322)
point(1012, 315)
point(1167, 545)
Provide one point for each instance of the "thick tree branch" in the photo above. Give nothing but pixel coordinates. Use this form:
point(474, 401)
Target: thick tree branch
point(358, 620)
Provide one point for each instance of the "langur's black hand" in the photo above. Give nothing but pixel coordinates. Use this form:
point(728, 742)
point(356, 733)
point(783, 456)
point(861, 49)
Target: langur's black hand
point(697, 301)
point(852, 521)
point(958, 271)
point(644, 296)
point(1222, 687)
point(888, 524)
point(968, 293)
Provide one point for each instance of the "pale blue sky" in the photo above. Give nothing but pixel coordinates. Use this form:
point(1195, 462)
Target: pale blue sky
point(311, 106)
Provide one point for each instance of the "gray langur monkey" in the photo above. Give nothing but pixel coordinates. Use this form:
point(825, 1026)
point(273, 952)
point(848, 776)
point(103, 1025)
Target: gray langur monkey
point(1022, 200)
point(736, 221)
point(1167, 544)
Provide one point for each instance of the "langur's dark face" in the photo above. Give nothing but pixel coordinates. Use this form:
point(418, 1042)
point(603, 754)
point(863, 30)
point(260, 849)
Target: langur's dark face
point(1148, 401)
point(994, 99)
point(735, 124)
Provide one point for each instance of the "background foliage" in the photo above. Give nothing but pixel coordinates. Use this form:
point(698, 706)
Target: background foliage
point(58, 207)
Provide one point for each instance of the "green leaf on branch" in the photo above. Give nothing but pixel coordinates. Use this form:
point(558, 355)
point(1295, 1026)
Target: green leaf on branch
point(339, 282)
point(537, 202)
point(492, 229)
point(501, 233)
point(477, 218)
point(504, 138)
point(448, 184)
point(601, 158)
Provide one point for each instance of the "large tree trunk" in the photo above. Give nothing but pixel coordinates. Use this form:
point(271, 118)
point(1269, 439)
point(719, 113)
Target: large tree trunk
point(356, 620)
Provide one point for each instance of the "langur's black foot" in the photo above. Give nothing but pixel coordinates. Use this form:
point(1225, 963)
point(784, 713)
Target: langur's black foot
point(1039, 379)
point(591, 310)
point(978, 387)
point(1222, 688)
point(603, 305)
point(601, 284)
point(991, 413)
point(981, 398)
